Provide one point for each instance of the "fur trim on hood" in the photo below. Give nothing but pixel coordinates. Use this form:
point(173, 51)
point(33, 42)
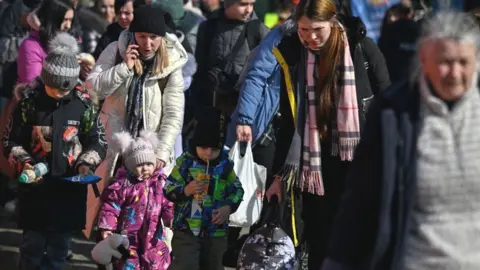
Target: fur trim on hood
point(189, 70)
point(20, 91)
point(33, 21)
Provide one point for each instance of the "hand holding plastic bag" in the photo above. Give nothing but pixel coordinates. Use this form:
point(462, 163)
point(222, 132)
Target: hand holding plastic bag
point(253, 178)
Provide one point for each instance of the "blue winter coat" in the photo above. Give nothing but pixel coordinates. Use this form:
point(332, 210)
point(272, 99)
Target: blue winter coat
point(263, 75)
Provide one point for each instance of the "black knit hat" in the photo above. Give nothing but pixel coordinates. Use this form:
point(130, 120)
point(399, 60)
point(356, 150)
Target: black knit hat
point(211, 129)
point(148, 19)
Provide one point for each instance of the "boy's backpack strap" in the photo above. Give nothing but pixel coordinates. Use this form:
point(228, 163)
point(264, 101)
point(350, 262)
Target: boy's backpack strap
point(252, 33)
point(210, 29)
point(366, 63)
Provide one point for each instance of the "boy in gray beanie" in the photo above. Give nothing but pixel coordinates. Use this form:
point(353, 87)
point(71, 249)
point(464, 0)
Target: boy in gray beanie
point(60, 69)
point(57, 124)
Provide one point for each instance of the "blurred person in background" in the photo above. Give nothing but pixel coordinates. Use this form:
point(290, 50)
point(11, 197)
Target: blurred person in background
point(285, 11)
point(411, 199)
point(219, 66)
point(92, 33)
point(52, 17)
point(44, 21)
point(400, 11)
point(186, 21)
point(124, 13)
point(13, 30)
point(208, 7)
point(106, 9)
point(398, 41)
point(188, 5)
point(473, 6)
point(124, 10)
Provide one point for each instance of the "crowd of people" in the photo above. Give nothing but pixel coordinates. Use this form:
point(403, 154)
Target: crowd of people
point(369, 147)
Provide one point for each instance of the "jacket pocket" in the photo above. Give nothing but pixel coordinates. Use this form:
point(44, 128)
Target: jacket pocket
point(366, 105)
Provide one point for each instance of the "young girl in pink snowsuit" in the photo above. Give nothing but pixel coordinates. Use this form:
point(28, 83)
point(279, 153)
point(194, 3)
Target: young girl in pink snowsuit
point(134, 205)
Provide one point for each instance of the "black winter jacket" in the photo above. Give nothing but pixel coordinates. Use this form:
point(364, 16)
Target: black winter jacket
point(112, 34)
point(63, 134)
point(398, 44)
point(224, 38)
point(373, 217)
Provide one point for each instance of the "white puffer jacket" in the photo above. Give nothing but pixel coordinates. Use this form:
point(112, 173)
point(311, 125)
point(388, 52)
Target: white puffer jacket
point(163, 113)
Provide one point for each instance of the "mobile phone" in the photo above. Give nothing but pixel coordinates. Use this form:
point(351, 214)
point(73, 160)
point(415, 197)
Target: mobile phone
point(132, 39)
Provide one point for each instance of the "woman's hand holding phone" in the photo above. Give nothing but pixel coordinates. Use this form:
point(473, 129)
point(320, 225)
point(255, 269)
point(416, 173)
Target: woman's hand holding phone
point(131, 55)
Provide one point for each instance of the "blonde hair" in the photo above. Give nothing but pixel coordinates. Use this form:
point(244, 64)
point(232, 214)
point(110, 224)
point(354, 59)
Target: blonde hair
point(161, 60)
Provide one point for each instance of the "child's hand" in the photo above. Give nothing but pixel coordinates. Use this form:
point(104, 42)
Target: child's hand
point(27, 166)
point(194, 187)
point(105, 234)
point(221, 215)
point(84, 170)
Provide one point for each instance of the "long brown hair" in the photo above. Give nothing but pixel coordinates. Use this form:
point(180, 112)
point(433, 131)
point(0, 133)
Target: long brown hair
point(325, 10)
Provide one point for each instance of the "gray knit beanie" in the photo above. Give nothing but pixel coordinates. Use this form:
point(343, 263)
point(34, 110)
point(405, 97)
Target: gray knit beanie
point(228, 3)
point(60, 69)
point(135, 151)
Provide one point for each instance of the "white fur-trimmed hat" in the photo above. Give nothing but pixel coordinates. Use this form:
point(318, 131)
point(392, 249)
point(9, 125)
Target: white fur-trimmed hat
point(136, 151)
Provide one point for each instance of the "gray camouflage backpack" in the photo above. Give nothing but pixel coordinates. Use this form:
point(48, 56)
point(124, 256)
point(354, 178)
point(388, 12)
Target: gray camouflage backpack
point(269, 247)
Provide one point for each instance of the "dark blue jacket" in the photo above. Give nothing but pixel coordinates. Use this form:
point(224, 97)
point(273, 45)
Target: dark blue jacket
point(373, 217)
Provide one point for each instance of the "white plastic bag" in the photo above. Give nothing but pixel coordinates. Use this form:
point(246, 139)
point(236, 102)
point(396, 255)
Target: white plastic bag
point(253, 177)
point(167, 235)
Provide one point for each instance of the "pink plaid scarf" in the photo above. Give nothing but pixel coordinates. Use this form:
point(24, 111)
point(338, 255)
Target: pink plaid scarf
point(345, 130)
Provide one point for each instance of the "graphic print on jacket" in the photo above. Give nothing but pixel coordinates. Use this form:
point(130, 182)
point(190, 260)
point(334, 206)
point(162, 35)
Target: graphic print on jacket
point(224, 189)
point(61, 133)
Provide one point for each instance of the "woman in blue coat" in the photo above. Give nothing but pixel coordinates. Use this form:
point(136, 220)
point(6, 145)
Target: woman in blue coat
point(315, 76)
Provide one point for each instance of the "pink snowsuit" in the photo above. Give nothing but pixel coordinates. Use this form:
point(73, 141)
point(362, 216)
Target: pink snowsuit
point(137, 206)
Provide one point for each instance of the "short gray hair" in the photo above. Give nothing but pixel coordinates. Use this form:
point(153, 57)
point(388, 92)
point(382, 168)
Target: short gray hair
point(453, 25)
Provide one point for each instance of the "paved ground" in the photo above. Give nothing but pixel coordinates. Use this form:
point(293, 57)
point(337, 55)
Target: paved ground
point(10, 237)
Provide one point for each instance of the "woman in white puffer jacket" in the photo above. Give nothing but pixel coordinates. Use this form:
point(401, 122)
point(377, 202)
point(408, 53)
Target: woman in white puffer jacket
point(140, 78)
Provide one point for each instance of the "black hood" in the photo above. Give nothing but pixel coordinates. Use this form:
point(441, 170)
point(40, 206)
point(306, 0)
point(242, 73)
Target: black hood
point(114, 29)
point(356, 30)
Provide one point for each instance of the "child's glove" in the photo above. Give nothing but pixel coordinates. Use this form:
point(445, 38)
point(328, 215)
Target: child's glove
point(103, 252)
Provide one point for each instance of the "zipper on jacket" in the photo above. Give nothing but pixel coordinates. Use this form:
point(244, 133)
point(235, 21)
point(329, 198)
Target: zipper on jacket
point(456, 146)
